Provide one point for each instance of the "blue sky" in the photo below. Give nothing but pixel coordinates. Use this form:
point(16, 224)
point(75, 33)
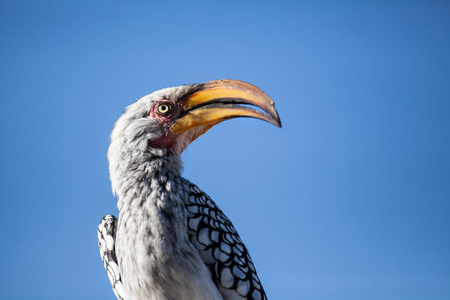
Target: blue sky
point(349, 200)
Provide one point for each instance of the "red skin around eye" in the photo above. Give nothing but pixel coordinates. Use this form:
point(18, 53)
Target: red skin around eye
point(166, 141)
point(167, 118)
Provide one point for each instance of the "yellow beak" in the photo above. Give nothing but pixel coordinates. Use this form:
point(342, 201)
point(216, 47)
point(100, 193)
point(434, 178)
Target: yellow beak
point(220, 100)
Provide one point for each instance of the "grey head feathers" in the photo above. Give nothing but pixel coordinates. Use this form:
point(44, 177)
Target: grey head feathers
point(134, 131)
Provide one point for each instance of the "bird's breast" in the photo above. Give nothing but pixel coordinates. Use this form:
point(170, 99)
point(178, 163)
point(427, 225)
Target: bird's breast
point(155, 257)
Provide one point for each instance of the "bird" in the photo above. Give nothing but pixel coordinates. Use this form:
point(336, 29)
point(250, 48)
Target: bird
point(171, 241)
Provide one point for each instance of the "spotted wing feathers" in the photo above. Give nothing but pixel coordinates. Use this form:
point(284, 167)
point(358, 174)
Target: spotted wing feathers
point(221, 248)
point(106, 242)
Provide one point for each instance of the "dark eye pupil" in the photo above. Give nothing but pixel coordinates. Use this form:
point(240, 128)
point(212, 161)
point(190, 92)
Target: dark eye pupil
point(164, 109)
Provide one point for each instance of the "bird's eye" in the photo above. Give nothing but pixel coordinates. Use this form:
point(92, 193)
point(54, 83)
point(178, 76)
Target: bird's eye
point(164, 108)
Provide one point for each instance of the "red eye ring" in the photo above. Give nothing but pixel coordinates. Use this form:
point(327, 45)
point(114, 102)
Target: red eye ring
point(164, 109)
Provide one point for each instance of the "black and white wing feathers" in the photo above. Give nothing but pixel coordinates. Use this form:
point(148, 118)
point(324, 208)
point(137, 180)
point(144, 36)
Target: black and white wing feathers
point(221, 248)
point(106, 243)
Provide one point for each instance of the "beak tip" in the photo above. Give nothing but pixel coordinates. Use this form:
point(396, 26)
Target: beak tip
point(277, 122)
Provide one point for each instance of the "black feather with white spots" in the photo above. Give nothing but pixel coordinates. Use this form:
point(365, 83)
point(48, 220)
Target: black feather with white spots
point(221, 248)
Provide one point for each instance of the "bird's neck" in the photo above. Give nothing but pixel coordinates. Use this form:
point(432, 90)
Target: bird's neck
point(150, 191)
point(135, 164)
point(137, 177)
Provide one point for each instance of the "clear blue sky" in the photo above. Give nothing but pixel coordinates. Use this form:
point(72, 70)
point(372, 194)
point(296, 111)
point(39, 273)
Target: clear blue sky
point(349, 200)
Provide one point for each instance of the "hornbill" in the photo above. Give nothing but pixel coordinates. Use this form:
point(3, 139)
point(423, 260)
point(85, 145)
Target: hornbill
point(171, 240)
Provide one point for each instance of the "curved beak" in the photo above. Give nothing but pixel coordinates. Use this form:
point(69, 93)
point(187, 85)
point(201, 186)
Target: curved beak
point(219, 100)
